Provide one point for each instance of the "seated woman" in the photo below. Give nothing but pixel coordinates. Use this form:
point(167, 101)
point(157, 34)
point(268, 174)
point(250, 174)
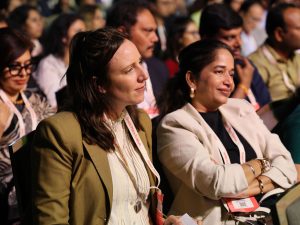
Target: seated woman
point(26, 18)
point(20, 110)
point(182, 32)
point(213, 147)
point(91, 164)
point(52, 68)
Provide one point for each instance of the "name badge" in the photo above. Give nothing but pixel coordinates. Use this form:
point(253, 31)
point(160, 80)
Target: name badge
point(241, 204)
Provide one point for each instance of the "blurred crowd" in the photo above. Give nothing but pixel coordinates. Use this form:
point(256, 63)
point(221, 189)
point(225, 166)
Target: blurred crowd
point(263, 36)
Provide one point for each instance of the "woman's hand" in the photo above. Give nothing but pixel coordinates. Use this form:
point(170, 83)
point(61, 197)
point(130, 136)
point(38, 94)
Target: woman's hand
point(175, 220)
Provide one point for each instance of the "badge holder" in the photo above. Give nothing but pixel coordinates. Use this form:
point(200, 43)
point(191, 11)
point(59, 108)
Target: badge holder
point(246, 210)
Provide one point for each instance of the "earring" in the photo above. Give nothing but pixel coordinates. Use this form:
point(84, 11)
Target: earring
point(192, 93)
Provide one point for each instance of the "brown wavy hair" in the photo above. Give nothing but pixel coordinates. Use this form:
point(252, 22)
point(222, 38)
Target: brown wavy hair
point(90, 54)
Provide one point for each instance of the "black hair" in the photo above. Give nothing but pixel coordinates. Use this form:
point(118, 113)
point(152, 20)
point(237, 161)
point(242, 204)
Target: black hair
point(19, 15)
point(12, 45)
point(218, 16)
point(275, 18)
point(53, 43)
point(124, 13)
point(248, 4)
point(175, 32)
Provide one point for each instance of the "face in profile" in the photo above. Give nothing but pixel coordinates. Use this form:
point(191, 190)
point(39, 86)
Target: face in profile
point(252, 17)
point(77, 26)
point(98, 20)
point(15, 76)
point(34, 24)
point(190, 35)
point(127, 77)
point(143, 33)
point(215, 82)
point(232, 38)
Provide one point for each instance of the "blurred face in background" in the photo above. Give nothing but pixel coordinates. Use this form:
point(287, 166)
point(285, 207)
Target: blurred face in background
point(143, 33)
point(165, 8)
point(232, 38)
point(34, 24)
point(77, 26)
point(15, 76)
point(236, 4)
point(252, 17)
point(98, 20)
point(190, 35)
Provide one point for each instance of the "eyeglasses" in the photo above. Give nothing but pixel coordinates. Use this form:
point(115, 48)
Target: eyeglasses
point(16, 69)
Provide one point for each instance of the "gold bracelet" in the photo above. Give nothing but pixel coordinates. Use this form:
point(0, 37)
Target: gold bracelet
point(244, 88)
point(265, 165)
point(261, 185)
point(251, 167)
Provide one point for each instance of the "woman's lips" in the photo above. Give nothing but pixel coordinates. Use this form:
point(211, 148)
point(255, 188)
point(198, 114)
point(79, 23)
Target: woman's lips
point(141, 88)
point(226, 92)
point(21, 82)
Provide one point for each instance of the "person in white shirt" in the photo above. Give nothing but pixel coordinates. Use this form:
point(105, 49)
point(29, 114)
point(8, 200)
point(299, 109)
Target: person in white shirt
point(51, 69)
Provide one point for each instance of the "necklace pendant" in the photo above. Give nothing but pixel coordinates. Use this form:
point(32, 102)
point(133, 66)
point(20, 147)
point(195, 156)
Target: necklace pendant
point(138, 206)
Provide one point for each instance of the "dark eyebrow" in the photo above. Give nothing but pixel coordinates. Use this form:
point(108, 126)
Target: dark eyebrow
point(219, 66)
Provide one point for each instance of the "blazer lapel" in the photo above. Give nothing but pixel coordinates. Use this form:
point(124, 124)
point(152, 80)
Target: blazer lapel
point(100, 161)
point(205, 133)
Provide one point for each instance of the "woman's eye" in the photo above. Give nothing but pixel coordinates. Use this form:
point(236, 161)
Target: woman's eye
point(141, 61)
point(220, 72)
point(129, 70)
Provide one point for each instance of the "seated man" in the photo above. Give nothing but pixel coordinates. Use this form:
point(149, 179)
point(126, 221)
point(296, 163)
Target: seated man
point(276, 59)
point(138, 22)
point(279, 66)
point(220, 22)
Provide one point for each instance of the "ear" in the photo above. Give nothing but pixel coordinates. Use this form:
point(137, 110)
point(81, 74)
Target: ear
point(122, 29)
point(190, 79)
point(278, 34)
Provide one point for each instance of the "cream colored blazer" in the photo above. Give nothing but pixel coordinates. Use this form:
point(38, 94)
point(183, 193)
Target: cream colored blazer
point(186, 148)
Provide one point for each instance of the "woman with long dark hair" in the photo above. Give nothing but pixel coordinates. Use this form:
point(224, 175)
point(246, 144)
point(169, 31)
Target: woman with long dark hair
point(92, 163)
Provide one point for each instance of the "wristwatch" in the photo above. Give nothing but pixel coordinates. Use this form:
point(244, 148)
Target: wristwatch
point(265, 165)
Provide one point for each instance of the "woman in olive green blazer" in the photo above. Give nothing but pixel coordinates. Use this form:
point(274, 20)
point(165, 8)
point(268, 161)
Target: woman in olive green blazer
point(74, 174)
point(76, 152)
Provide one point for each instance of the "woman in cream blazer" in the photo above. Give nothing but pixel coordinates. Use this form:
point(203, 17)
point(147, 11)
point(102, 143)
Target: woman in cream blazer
point(196, 157)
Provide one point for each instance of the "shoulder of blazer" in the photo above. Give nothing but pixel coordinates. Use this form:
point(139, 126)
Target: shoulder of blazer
point(64, 128)
point(144, 120)
point(240, 107)
point(146, 125)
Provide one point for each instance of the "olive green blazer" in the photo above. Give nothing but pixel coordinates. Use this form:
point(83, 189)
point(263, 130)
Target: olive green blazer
point(71, 179)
